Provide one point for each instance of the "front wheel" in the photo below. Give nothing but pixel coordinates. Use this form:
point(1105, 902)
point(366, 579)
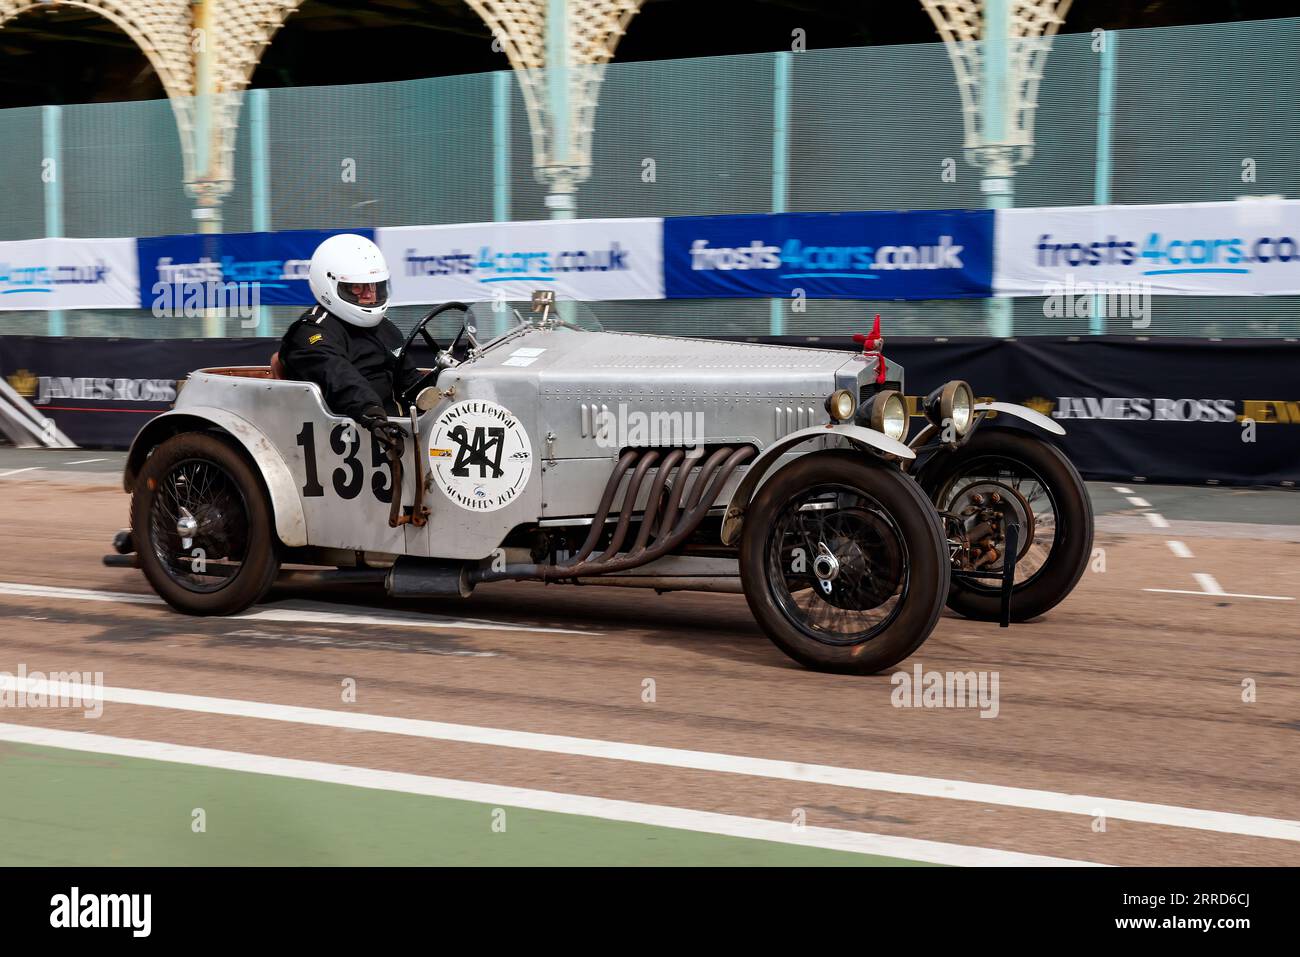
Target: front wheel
point(1002, 475)
point(202, 526)
point(843, 563)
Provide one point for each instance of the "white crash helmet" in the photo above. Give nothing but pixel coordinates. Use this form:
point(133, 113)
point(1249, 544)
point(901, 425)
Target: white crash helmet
point(339, 263)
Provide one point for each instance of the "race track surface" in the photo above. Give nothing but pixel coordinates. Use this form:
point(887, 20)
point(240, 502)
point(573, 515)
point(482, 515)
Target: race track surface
point(1153, 718)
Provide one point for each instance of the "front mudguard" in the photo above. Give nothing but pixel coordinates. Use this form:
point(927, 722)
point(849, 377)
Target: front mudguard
point(866, 440)
point(928, 455)
point(1022, 412)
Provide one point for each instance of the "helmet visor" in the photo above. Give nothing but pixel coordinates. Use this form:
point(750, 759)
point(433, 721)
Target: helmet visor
point(367, 295)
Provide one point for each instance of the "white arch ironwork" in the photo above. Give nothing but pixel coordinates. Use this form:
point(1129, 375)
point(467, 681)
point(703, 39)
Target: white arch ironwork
point(205, 52)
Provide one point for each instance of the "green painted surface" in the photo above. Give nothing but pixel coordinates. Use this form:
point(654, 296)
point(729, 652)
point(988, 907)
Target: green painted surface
point(61, 807)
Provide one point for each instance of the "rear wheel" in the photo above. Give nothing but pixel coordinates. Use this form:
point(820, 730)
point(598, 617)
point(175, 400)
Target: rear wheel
point(1030, 481)
point(202, 526)
point(843, 563)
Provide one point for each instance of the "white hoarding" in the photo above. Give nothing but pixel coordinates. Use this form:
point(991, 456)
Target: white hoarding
point(583, 259)
point(1243, 248)
point(69, 274)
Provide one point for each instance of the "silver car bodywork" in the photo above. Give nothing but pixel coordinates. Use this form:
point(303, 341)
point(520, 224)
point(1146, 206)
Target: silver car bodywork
point(579, 398)
point(555, 453)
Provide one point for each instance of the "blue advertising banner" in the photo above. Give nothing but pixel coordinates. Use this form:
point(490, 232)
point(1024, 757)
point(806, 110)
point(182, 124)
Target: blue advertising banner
point(175, 269)
point(923, 254)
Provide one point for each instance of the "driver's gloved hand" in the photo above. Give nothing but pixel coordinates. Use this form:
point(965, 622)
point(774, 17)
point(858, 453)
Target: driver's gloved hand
point(388, 433)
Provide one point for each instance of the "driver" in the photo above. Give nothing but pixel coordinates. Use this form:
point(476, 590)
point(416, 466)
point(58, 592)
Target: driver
point(344, 343)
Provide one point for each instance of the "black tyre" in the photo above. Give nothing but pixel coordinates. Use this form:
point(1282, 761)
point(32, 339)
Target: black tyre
point(843, 562)
point(1028, 475)
point(203, 527)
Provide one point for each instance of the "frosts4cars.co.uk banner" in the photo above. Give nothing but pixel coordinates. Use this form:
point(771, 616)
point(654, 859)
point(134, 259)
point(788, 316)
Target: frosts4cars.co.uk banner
point(875, 255)
point(1244, 248)
point(174, 269)
point(1248, 248)
point(584, 259)
point(69, 274)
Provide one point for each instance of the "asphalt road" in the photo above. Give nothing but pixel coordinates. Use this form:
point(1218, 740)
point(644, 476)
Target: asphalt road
point(1149, 719)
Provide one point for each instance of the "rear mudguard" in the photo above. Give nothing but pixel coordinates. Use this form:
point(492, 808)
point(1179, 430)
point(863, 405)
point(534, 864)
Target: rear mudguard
point(286, 506)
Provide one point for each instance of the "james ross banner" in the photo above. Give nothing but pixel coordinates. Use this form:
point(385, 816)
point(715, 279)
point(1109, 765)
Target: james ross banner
point(1165, 410)
point(102, 391)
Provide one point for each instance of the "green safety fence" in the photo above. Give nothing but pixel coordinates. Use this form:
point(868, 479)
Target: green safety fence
point(1196, 113)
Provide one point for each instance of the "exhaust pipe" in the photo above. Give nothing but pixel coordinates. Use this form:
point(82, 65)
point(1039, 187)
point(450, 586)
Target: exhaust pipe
point(428, 578)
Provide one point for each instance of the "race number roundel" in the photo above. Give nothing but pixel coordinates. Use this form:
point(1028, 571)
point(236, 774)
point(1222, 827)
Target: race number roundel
point(479, 455)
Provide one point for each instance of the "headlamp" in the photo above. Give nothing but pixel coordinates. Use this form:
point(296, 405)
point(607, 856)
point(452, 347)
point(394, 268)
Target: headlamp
point(841, 404)
point(887, 412)
point(952, 403)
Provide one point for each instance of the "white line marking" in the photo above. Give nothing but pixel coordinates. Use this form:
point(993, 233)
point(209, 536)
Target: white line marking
point(1139, 502)
point(85, 461)
point(1156, 519)
point(1179, 549)
point(317, 613)
point(1226, 594)
point(1208, 584)
point(1122, 490)
point(33, 468)
point(23, 590)
point(312, 612)
point(1221, 821)
point(654, 815)
point(1133, 524)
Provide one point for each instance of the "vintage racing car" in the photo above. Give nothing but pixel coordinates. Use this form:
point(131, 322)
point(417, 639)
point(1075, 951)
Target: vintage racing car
point(554, 451)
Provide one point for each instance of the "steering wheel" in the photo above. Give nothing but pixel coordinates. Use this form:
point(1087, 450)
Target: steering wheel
point(430, 377)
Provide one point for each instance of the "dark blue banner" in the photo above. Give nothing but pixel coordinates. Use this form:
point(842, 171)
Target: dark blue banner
point(175, 270)
point(924, 254)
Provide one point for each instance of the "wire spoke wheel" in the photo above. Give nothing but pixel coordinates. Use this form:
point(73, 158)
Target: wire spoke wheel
point(837, 564)
point(198, 526)
point(204, 527)
point(997, 477)
point(1023, 497)
point(843, 562)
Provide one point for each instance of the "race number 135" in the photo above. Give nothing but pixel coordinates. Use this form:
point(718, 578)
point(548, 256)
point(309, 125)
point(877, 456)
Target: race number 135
point(350, 475)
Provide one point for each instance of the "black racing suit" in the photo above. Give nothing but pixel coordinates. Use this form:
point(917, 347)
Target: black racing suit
point(355, 368)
